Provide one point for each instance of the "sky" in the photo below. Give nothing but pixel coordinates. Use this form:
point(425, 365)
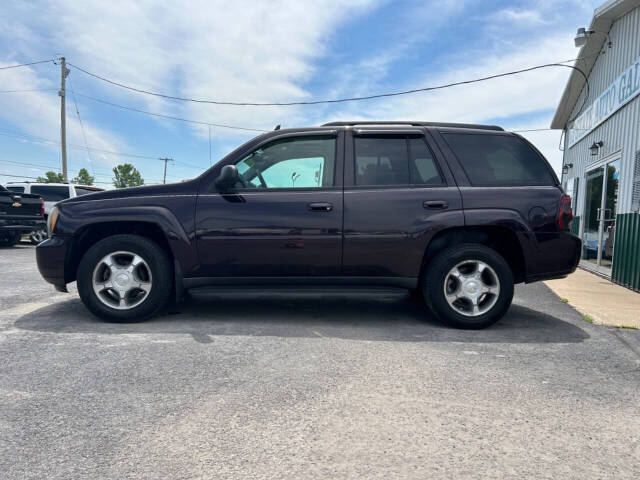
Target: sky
point(265, 51)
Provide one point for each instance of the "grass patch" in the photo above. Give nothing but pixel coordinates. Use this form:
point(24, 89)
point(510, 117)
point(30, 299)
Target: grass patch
point(630, 327)
point(564, 300)
point(588, 318)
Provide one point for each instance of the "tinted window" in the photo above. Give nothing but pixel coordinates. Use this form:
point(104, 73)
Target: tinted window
point(381, 161)
point(423, 167)
point(51, 193)
point(290, 163)
point(394, 161)
point(499, 160)
point(84, 191)
point(16, 189)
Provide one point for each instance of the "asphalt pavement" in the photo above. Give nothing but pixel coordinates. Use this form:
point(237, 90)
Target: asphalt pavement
point(272, 385)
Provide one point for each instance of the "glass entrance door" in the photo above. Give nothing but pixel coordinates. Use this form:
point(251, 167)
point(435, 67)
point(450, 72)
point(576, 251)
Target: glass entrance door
point(601, 202)
point(593, 202)
point(608, 213)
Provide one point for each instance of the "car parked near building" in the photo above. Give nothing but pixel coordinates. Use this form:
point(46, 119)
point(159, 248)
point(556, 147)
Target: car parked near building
point(20, 213)
point(457, 213)
point(51, 193)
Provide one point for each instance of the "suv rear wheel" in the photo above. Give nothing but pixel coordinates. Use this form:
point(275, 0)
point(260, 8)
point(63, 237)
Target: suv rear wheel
point(468, 286)
point(125, 278)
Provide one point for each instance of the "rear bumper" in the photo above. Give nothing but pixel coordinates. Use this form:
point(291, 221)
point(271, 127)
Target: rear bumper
point(557, 256)
point(21, 226)
point(51, 256)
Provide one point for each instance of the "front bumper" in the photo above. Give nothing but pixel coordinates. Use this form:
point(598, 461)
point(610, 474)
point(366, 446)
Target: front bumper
point(51, 256)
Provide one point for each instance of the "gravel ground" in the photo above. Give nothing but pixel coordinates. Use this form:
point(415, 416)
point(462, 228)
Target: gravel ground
point(310, 386)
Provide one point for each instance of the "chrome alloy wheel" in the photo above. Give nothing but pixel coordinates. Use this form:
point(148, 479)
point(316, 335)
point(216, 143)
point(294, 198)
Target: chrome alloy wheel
point(122, 280)
point(471, 288)
point(38, 236)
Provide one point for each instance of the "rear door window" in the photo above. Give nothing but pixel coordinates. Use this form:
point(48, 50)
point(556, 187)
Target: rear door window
point(499, 160)
point(16, 189)
point(51, 193)
point(422, 165)
point(387, 161)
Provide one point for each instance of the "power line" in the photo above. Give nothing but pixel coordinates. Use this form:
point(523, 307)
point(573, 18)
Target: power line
point(190, 165)
point(84, 135)
point(532, 130)
point(48, 167)
point(56, 142)
point(340, 100)
point(36, 178)
point(45, 141)
point(25, 64)
point(17, 176)
point(28, 90)
point(27, 164)
point(171, 117)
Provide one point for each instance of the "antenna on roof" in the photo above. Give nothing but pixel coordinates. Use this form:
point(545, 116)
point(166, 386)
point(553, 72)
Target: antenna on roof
point(277, 127)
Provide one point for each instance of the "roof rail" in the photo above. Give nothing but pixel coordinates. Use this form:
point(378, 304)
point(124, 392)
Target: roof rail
point(415, 124)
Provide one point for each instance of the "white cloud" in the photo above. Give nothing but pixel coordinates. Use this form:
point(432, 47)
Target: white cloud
point(38, 114)
point(520, 16)
point(233, 51)
point(262, 51)
point(267, 51)
point(496, 101)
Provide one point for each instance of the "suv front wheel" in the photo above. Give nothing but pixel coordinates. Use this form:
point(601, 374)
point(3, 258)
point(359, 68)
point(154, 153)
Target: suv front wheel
point(125, 278)
point(468, 286)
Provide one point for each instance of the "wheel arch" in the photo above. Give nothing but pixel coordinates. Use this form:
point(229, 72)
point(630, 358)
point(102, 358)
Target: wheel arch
point(88, 235)
point(499, 238)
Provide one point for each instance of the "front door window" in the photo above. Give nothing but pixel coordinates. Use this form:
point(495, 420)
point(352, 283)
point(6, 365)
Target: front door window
point(290, 163)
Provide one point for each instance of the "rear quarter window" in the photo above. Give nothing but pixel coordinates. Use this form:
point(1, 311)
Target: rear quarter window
point(85, 191)
point(51, 193)
point(499, 160)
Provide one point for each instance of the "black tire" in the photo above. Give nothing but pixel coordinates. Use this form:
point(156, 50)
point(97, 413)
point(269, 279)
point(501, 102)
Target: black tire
point(10, 239)
point(435, 275)
point(161, 271)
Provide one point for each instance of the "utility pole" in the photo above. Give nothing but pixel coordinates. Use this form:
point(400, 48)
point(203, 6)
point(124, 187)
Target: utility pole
point(165, 160)
point(64, 71)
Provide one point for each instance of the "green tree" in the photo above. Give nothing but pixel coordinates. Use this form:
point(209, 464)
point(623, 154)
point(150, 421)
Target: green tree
point(50, 177)
point(126, 175)
point(83, 178)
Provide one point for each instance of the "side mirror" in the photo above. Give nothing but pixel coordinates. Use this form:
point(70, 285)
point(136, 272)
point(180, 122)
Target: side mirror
point(227, 178)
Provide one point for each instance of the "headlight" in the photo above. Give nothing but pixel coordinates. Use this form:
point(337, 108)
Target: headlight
point(51, 220)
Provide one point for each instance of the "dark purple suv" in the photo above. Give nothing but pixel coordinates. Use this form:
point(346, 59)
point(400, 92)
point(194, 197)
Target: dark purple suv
point(455, 213)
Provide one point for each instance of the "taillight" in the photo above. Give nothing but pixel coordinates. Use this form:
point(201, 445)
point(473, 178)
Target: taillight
point(41, 207)
point(565, 214)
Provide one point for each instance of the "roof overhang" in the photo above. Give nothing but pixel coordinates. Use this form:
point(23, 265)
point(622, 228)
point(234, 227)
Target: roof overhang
point(603, 18)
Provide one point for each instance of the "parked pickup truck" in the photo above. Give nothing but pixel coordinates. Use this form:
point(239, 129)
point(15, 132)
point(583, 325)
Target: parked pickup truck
point(20, 213)
point(455, 213)
point(50, 193)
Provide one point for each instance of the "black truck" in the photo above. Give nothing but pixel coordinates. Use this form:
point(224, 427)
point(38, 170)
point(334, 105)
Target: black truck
point(456, 213)
point(20, 213)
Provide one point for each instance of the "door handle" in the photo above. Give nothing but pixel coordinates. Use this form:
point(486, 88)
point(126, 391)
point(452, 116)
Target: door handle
point(435, 204)
point(320, 207)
